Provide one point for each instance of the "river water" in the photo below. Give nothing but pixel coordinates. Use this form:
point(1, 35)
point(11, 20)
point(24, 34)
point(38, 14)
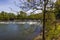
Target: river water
point(19, 31)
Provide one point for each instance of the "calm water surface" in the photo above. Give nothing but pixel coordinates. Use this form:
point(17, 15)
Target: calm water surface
point(19, 31)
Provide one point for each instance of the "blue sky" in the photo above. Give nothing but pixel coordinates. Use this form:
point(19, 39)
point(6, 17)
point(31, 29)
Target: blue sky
point(5, 5)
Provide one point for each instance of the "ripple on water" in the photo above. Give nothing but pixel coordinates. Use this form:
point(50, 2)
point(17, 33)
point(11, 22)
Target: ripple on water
point(18, 31)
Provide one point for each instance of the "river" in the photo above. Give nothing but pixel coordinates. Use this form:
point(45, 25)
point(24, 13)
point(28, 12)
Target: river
point(19, 31)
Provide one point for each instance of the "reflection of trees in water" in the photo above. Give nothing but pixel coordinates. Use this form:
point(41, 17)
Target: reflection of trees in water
point(22, 32)
point(29, 31)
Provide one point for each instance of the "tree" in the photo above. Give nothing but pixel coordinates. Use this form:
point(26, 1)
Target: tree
point(4, 16)
point(22, 15)
point(43, 5)
point(35, 16)
point(57, 9)
point(12, 16)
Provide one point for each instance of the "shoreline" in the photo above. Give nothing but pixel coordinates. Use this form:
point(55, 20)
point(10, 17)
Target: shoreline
point(13, 22)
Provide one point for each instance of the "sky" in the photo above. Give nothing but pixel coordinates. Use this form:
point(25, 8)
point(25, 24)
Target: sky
point(5, 5)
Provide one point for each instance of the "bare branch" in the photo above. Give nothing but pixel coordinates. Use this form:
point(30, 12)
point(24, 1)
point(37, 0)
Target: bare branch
point(13, 10)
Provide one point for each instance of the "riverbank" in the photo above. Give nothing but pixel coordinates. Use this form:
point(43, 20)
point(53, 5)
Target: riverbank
point(20, 20)
point(39, 36)
point(28, 22)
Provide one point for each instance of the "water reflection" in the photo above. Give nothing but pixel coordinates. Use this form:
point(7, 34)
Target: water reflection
point(18, 31)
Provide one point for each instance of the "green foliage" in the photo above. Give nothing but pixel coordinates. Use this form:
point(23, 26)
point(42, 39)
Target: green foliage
point(52, 28)
point(57, 9)
point(4, 16)
point(22, 15)
point(12, 16)
point(53, 33)
point(35, 16)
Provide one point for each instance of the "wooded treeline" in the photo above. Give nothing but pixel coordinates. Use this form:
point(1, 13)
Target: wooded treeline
point(4, 16)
